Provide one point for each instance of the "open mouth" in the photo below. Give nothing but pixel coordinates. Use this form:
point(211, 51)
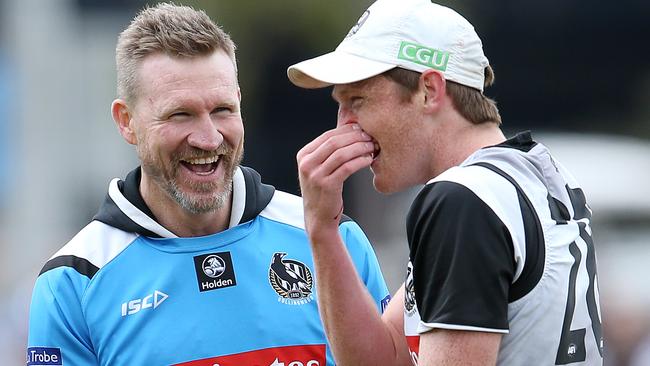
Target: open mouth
point(202, 166)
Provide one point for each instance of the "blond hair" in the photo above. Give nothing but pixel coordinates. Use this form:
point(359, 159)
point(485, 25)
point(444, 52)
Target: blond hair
point(471, 103)
point(177, 31)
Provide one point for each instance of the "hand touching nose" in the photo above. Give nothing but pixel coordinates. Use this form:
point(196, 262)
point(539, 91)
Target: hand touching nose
point(323, 166)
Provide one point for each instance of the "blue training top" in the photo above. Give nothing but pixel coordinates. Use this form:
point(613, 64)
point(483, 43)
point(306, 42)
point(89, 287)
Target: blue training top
point(125, 291)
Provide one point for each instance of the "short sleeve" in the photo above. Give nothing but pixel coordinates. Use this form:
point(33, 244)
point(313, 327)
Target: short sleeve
point(366, 263)
point(462, 257)
point(57, 328)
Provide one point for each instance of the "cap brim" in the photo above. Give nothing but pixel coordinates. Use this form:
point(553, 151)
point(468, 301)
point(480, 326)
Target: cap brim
point(334, 68)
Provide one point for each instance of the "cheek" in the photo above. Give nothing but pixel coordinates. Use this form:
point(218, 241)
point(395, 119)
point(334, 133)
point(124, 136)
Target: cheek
point(167, 137)
point(234, 133)
point(400, 136)
point(241, 144)
point(159, 145)
point(142, 140)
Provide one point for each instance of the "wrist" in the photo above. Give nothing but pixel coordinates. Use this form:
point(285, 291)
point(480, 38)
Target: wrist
point(322, 233)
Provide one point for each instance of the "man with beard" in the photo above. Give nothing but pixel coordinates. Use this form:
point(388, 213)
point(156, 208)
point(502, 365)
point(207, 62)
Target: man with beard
point(190, 259)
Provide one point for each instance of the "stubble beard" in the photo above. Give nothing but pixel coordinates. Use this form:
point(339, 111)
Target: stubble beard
point(201, 197)
point(200, 205)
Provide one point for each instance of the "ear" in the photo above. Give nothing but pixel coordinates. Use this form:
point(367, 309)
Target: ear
point(434, 86)
point(123, 119)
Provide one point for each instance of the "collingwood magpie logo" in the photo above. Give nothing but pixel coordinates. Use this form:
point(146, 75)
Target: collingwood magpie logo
point(292, 280)
point(409, 294)
point(214, 271)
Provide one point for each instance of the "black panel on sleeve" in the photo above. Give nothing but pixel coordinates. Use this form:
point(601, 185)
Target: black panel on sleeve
point(462, 256)
point(81, 265)
point(535, 244)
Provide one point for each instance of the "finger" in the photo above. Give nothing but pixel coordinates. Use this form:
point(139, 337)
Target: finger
point(347, 160)
point(350, 167)
point(327, 147)
point(331, 155)
point(338, 166)
point(313, 145)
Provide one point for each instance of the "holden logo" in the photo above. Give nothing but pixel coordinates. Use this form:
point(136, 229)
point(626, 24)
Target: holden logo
point(213, 266)
point(214, 271)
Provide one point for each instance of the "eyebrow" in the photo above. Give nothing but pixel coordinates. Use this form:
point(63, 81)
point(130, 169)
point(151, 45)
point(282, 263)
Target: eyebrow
point(350, 88)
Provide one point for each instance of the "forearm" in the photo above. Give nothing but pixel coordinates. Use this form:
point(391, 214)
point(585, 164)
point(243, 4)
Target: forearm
point(355, 329)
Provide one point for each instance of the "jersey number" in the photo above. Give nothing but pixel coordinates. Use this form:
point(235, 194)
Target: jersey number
point(572, 342)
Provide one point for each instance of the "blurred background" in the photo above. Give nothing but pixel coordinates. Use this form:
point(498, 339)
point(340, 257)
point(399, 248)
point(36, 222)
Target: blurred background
point(576, 73)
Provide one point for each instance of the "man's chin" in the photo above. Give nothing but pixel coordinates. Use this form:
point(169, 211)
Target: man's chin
point(203, 198)
point(196, 205)
point(383, 187)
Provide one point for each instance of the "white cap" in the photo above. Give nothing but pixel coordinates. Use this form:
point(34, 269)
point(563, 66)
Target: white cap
point(412, 34)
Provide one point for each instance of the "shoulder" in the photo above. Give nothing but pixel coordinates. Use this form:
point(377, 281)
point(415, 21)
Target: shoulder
point(479, 180)
point(462, 187)
point(288, 209)
point(92, 248)
point(471, 187)
point(285, 208)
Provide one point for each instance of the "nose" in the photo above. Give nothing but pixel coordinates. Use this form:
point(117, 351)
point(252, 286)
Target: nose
point(345, 116)
point(204, 134)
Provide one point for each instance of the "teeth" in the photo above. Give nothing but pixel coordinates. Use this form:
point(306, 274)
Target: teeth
point(209, 160)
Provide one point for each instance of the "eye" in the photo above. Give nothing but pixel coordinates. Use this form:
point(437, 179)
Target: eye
point(226, 107)
point(222, 109)
point(179, 114)
point(356, 101)
point(352, 102)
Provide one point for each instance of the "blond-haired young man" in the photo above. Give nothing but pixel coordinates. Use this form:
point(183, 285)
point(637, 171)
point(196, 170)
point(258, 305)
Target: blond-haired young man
point(501, 259)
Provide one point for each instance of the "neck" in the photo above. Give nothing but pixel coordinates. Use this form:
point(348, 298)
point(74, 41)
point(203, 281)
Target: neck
point(460, 139)
point(476, 137)
point(180, 221)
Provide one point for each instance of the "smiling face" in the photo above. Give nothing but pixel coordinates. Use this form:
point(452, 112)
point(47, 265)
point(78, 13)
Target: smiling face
point(187, 128)
point(395, 123)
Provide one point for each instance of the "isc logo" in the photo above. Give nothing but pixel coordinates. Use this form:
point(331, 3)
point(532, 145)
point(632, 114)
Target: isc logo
point(149, 301)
